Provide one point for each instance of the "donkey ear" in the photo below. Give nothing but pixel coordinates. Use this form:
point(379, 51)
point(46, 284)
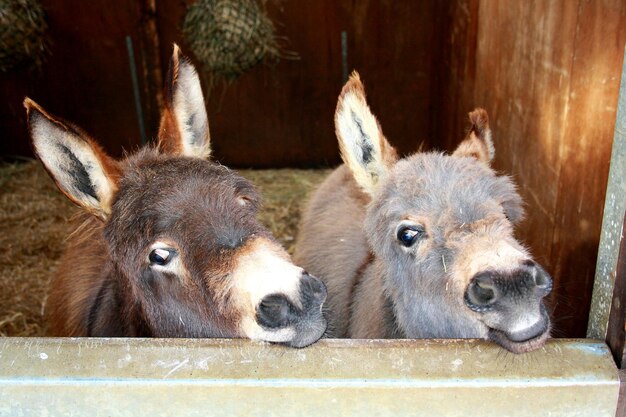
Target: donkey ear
point(80, 168)
point(478, 143)
point(363, 147)
point(184, 126)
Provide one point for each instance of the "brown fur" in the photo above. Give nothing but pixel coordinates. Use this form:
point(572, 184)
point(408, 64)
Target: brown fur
point(69, 300)
point(176, 249)
point(477, 144)
point(343, 258)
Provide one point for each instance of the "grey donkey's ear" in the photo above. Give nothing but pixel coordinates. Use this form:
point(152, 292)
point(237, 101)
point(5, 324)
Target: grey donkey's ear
point(363, 146)
point(184, 128)
point(80, 168)
point(478, 143)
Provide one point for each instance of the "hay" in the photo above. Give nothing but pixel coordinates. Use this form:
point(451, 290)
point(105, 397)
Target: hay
point(35, 220)
point(33, 217)
point(229, 36)
point(22, 33)
point(284, 191)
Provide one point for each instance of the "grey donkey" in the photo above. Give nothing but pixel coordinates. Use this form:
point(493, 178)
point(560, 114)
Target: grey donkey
point(421, 247)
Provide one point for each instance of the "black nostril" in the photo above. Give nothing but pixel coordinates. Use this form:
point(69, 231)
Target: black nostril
point(482, 291)
point(540, 277)
point(313, 287)
point(274, 311)
point(543, 280)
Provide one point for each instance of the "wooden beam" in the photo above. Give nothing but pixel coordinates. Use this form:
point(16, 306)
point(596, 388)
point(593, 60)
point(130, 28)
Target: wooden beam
point(615, 330)
point(608, 269)
point(153, 377)
point(621, 402)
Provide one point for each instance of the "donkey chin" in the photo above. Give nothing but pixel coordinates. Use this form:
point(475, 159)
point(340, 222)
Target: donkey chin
point(525, 341)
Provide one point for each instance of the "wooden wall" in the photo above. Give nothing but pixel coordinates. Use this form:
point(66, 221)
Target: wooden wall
point(275, 115)
point(282, 114)
point(86, 77)
point(546, 71)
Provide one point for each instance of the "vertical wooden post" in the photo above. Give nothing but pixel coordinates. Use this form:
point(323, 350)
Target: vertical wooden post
point(606, 320)
point(608, 313)
point(615, 329)
point(615, 337)
point(148, 54)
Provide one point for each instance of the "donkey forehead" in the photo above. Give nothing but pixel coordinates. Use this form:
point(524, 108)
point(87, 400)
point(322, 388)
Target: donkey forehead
point(436, 185)
point(176, 178)
point(173, 192)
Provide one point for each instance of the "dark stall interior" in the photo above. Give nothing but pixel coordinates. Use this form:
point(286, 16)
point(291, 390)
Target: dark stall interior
point(548, 73)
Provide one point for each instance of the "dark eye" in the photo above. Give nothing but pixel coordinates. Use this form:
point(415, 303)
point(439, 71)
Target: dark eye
point(409, 234)
point(160, 256)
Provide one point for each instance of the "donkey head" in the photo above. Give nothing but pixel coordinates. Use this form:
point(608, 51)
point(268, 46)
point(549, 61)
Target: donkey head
point(189, 256)
point(441, 229)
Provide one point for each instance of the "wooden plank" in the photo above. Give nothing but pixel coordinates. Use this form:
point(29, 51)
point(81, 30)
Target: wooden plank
point(609, 268)
point(621, 402)
point(615, 334)
point(608, 312)
point(456, 74)
point(153, 377)
point(148, 53)
point(585, 150)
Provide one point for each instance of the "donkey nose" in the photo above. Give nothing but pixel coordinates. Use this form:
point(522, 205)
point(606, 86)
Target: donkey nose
point(312, 288)
point(275, 310)
point(491, 287)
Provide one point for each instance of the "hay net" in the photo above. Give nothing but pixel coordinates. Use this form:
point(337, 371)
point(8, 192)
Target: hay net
point(22, 29)
point(229, 36)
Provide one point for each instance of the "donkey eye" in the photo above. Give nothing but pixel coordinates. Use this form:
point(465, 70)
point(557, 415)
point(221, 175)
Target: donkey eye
point(409, 234)
point(160, 256)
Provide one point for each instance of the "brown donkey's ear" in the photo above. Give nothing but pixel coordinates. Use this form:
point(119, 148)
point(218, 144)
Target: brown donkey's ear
point(184, 126)
point(478, 143)
point(80, 168)
point(363, 146)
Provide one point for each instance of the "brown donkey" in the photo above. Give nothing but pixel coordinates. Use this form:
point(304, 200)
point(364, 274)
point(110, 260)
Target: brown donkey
point(171, 246)
point(421, 247)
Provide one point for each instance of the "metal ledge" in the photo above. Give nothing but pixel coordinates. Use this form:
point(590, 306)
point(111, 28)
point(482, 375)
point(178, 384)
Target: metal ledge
point(166, 377)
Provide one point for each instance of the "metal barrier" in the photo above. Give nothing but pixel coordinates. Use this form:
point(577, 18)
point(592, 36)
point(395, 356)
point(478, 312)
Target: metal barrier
point(188, 377)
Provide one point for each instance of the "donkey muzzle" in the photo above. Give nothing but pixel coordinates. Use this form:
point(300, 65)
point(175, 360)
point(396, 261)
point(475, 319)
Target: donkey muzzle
point(492, 289)
point(276, 311)
point(511, 305)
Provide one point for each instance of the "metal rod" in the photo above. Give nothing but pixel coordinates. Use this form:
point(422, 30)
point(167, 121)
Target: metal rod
point(136, 93)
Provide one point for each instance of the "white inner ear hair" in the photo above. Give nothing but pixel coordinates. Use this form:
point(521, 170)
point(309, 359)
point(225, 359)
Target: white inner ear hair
point(73, 164)
point(360, 137)
point(191, 113)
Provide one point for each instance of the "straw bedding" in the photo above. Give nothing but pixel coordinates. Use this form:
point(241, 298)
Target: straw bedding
point(34, 223)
